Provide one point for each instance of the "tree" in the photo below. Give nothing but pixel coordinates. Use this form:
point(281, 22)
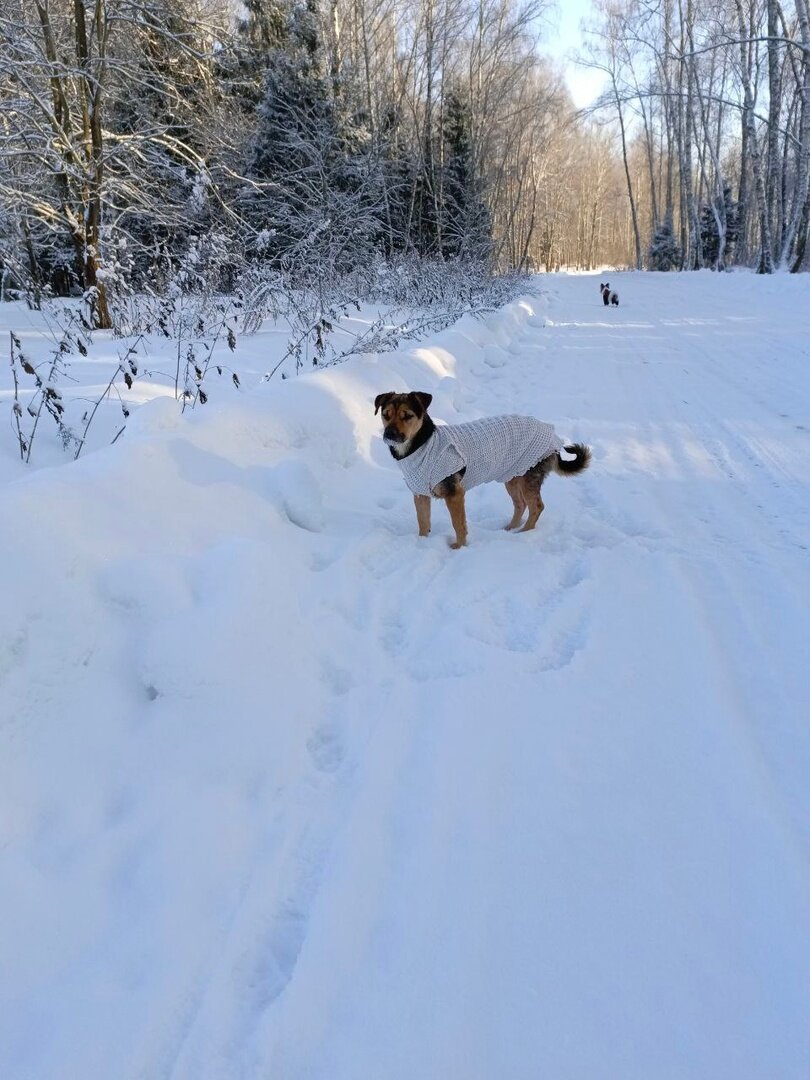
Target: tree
point(92, 161)
point(696, 77)
point(317, 190)
point(714, 253)
point(663, 252)
point(466, 226)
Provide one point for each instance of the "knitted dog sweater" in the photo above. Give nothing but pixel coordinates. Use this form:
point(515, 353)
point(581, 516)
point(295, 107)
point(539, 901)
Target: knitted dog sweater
point(496, 448)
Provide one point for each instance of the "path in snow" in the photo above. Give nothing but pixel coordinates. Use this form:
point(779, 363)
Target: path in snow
point(535, 809)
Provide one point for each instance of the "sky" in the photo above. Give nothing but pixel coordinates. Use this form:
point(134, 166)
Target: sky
point(561, 38)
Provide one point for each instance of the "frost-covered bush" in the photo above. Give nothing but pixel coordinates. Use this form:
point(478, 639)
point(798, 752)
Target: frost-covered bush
point(411, 281)
point(413, 296)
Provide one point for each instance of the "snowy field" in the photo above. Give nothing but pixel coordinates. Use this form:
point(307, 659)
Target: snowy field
point(286, 792)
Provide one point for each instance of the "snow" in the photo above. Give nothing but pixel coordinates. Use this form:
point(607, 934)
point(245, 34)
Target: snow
point(287, 791)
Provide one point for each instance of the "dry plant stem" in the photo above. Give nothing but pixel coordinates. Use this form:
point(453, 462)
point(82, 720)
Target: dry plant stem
point(17, 407)
point(118, 371)
point(179, 344)
point(43, 395)
point(114, 376)
point(221, 326)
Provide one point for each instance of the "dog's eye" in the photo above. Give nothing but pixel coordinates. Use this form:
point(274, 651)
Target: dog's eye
point(407, 416)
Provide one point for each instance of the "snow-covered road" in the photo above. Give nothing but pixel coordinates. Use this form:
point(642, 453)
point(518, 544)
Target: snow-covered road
point(290, 793)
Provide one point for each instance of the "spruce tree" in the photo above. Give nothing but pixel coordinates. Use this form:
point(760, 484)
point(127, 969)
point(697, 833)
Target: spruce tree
point(710, 234)
point(316, 186)
point(465, 220)
point(664, 253)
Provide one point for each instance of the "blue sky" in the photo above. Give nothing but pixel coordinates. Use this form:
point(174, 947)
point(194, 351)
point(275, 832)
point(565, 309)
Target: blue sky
point(561, 37)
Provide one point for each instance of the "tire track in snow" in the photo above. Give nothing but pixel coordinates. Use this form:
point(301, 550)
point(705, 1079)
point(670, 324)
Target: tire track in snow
point(718, 552)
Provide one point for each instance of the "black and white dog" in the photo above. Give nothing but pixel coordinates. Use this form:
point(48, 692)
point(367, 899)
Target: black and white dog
point(608, 297)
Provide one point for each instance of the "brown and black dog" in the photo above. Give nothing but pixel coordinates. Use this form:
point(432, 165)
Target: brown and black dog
point(407, 428)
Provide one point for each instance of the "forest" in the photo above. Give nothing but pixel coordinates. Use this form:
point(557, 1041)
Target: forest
point(160, 146)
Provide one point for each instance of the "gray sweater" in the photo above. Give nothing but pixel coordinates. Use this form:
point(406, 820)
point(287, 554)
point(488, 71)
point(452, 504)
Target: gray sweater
point(496, 448)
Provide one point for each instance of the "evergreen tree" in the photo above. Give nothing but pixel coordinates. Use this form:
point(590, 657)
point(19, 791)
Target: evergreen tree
point(709, 232)
point(465, 219)
point(664, 252)
point(317, 189)
point(732, 222)
point(264, 26)
point(242, 64)
point(709, 235)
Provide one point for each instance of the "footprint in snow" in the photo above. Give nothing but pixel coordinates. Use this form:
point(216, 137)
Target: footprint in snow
point(564, 645)
point(326, 748)
point(495, 357)
point(338, 679)
point(575, 573)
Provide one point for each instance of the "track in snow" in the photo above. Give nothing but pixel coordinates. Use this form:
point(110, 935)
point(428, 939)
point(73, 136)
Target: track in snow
point(538, 808)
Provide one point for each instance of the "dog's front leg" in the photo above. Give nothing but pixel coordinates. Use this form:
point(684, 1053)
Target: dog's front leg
point(458, 516)
point(422, 504)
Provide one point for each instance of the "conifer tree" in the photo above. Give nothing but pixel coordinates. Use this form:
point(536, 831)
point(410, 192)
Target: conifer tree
point(465, 225)
point(318, 192)
point(664, 252)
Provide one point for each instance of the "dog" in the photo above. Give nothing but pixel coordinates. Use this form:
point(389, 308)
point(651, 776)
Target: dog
point(608, 297)
point(444, 462)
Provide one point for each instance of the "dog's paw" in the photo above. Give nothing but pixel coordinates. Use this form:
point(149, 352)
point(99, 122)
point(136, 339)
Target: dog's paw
point(424, 534)
point(456, 544)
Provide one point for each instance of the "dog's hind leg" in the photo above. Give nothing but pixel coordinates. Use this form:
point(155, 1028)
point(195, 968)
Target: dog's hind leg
point(515, 489)
point(531, 493)
point(530, 484)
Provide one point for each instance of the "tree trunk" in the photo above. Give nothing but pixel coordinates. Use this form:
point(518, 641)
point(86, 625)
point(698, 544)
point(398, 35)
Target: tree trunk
point(773, 184)
point(801, 198)
point(633, 212)
point(765, 265)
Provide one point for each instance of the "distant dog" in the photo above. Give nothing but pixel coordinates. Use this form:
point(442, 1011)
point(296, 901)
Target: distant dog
point(608, 297)
point(446, 461)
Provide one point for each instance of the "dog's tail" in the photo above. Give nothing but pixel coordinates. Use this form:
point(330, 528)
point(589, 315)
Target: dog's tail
point(582, 459)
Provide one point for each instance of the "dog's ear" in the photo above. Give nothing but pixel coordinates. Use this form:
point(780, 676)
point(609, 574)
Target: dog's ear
point(382, 399)
point(601, 286)
point(423, 399)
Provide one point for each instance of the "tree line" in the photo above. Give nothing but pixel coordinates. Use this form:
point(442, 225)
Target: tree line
point(149, 142)
point(712, 103)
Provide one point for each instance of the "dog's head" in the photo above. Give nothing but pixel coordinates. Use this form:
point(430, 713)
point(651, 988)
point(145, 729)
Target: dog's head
point(603, 288)
point(402, 415)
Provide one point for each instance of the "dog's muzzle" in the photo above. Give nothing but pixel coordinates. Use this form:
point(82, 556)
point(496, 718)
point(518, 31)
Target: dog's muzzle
point(392, 436)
